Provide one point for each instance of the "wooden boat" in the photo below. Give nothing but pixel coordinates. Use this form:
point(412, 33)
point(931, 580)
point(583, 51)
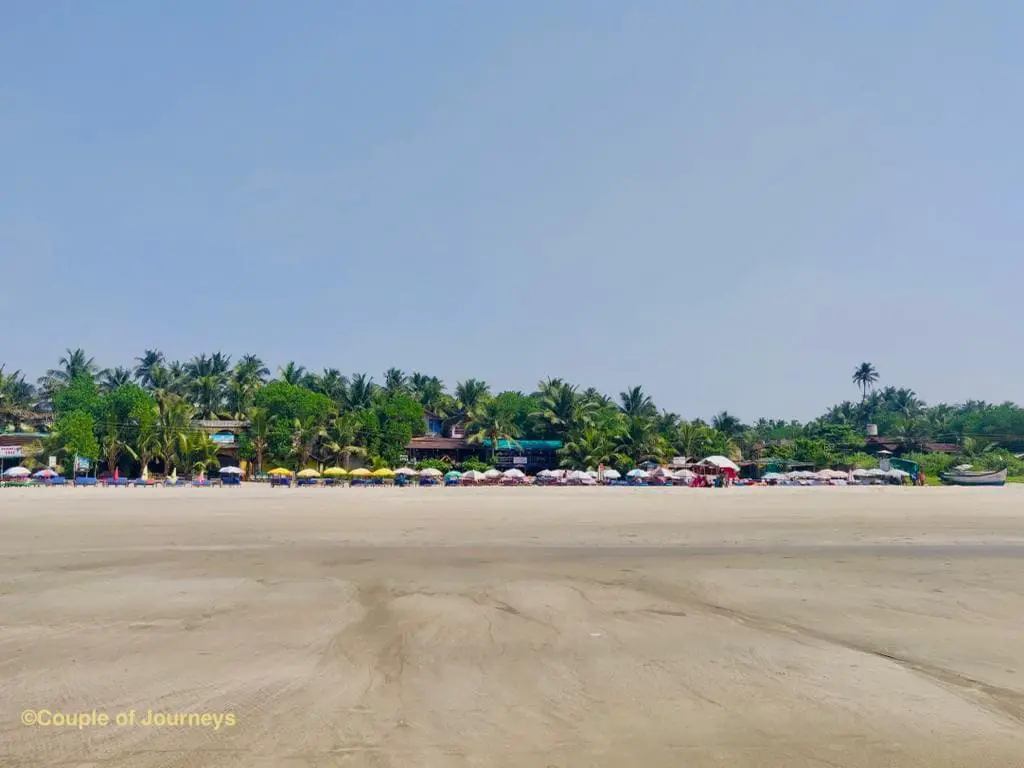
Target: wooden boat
point(965, 477)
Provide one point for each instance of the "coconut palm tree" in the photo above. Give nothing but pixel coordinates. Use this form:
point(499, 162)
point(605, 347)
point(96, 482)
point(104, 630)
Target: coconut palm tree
point(587, 449)
point(491, 421)
point(636, 404)
point(260, 424)
point(17, 398)
point(562, 409)
point(639, 440)
point(146, 444)
point(112, 378)
point(74, 363)
point(727, 424)
point(864, 377)
point(207, 394)
point(174, 426)
point(360, 391)
point(395, 381)
point(292, 373)
point(470, 394)
point(338, 441)
point(332, 383)
point(145, 365)
point(305, 433)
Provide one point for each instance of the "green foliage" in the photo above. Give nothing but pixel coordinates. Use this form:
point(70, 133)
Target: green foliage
point(859, 460)
point(79, 394)
point(74, 435)
point(287, 402)
point(439, 464)
point(475, 464)
point(400, 418)
point(933, 464)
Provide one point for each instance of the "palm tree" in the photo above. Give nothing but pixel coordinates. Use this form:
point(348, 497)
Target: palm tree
point(207, 395)
point(470, 394)
point(292, 373)
point(338, 441)
point(490, 421)
point(639, 440)
point(586, 449)
point(150, 360)
point(147, 439)
point(251, 370)
point(395, 381)
point(727, 424)
point(260, 424)
point(692, 440)
point(562, 409)
point(360, 391)
point(304, 436)
point(175, 426)
point(430, 392)
point(17, 397)
point(112, 378)
point(74, 363)
point(635, 403)
point(865, 376)
point(330, 383)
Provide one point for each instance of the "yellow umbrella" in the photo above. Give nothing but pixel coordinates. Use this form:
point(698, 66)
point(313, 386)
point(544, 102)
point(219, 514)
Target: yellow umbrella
point(279, 471)
point(335, 472)
point(308, 473)
point(384, 472)
point(361, 472)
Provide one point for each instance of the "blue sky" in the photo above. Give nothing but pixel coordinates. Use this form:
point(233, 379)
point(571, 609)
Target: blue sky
point(731, 203)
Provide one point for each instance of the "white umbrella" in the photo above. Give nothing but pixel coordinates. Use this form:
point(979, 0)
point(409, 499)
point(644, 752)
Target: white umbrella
point(587, 480)
point(579, 475)
point(430, 472)
point(473, 475)
point(545, 473)
point(637, 473)
point(611, 474)
point(661, 472)
point(405, 471)
point(722, 462)
point(516, 473)
point(492, 474)
point(862, 473)
point(230, 470)
point(45, 472)
point(17, 472)
point(684, 474)
point(773, 476)
point(593, 473)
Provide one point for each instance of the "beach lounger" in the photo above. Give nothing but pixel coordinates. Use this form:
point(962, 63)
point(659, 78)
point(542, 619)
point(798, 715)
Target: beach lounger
point(89, 482)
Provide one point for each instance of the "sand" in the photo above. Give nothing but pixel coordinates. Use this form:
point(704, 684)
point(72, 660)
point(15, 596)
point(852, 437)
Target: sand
point(513, 627)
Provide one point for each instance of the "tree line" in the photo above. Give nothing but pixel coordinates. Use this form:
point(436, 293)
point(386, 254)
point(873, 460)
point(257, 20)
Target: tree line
point(145, 415)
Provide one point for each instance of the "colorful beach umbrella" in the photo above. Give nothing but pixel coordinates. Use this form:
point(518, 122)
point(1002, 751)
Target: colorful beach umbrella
point(45, 472)
point(453, 475)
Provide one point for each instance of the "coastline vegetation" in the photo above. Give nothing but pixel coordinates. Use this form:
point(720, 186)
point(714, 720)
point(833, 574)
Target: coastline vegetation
point(145, 414)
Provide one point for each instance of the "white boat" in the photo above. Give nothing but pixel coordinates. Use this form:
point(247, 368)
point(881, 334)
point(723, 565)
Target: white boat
point(966, 477)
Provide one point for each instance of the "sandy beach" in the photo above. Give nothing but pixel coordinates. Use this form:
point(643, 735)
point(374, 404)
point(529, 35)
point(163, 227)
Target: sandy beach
point(512, 627)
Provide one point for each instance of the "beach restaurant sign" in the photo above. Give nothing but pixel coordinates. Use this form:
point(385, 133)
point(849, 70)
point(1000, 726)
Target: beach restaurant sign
point(11, 452)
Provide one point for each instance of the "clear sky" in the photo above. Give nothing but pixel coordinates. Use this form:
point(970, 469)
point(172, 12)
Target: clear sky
point(731, 203)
